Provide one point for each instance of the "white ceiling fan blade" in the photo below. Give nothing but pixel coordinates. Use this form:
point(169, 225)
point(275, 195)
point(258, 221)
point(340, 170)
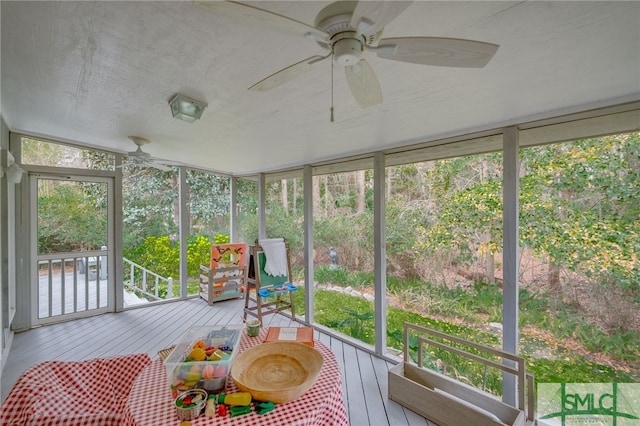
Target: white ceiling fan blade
point(444, 52)
point(369, 17)
point(255, 16)
point(158, 166)
point(145, 163)
point(364, 84)
point(286, 74)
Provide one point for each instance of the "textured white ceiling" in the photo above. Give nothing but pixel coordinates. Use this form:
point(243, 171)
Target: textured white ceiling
point(95, 72)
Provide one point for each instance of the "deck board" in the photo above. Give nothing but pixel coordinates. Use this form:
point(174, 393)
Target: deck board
point(357, 406)
point(155, 327)
point(373, 399)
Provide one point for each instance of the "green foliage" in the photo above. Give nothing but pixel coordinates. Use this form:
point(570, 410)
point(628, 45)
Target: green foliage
point(469, 223)
point(535, 309)
point(279, 222)
point(162, 255)
point(247, 202)
point(159, 255)
point(622, 345)
point(71, 217)
point(344, 313)
point(221, 239)
point(579, 211)
point(397, 317)
point(208, 202)
point(198, 253)
point(353, 253)
point(357, 324)
point(575, 370)
point(340, 276)
point(325, 275)
point(579, 206)
point(353, 316)
point(149, 196)
point(566, 322)
point(481, 304)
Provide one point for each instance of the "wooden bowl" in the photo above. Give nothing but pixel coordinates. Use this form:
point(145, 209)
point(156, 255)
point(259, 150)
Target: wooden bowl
point(277, 371)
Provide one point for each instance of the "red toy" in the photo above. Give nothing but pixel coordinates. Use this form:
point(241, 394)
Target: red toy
point(222, 410)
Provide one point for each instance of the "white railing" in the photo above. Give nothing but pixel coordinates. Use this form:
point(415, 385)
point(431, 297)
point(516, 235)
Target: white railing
point(71, 283)
point(146, 282)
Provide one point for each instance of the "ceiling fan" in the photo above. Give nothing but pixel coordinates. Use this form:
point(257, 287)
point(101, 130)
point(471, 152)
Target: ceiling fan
point(144, 159)
point(346, 29)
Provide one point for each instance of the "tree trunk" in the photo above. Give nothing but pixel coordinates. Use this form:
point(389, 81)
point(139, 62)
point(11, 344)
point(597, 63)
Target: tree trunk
point(553, 277)
point(491, 268)
point(327, 210)
point(284, 196)
point(295, 196)
point(360, 202)
point(389, 181)
point(176, 202)
point(317, 206)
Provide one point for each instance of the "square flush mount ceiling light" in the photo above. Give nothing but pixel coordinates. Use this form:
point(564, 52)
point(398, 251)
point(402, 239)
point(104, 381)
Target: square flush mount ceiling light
point(185, 108)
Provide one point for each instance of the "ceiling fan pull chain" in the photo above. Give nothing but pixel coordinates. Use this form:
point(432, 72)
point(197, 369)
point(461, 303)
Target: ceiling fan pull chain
point(332, 90)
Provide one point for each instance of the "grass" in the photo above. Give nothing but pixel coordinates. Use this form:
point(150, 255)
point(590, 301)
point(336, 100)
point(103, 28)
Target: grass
point(477, 306)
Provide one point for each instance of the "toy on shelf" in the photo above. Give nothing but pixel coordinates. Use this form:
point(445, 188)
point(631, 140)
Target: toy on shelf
point(225, 276)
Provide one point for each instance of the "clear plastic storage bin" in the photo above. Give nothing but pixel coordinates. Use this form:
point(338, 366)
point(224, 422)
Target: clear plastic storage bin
point(186, 367)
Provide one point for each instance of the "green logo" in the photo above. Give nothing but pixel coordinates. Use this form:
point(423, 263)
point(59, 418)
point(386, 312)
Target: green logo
point(568, 404)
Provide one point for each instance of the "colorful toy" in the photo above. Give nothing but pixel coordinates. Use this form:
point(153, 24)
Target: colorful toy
point(219, 371)
point(208, 372)
point(189, 405)
point(265, 407)
point(235, 399)
point(197, 354)
point(222, 410)
point(240, 410)
point(203, 359)
point(210, 408)
point(217, 355)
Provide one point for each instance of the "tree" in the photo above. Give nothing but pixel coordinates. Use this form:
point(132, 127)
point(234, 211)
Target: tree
point(72, 217)
point(209, 202)
point(466, 201)
point(580, 208)
point(149, 197)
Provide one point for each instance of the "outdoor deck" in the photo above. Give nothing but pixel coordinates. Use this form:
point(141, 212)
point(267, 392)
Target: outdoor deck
point(155, 327)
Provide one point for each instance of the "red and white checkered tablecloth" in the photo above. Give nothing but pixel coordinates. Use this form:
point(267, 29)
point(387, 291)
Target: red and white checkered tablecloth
point(73, 393)
point(150, 402)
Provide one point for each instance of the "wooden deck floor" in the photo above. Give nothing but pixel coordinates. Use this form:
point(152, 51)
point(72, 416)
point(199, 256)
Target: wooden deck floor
point(154, 327)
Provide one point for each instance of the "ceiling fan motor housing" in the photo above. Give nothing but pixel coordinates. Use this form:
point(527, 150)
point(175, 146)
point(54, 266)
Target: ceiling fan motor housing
point(347, 50)
point(335, 20)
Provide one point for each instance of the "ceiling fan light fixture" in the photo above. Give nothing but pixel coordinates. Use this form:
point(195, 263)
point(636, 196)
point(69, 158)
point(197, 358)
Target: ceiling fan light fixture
point(185, 108)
